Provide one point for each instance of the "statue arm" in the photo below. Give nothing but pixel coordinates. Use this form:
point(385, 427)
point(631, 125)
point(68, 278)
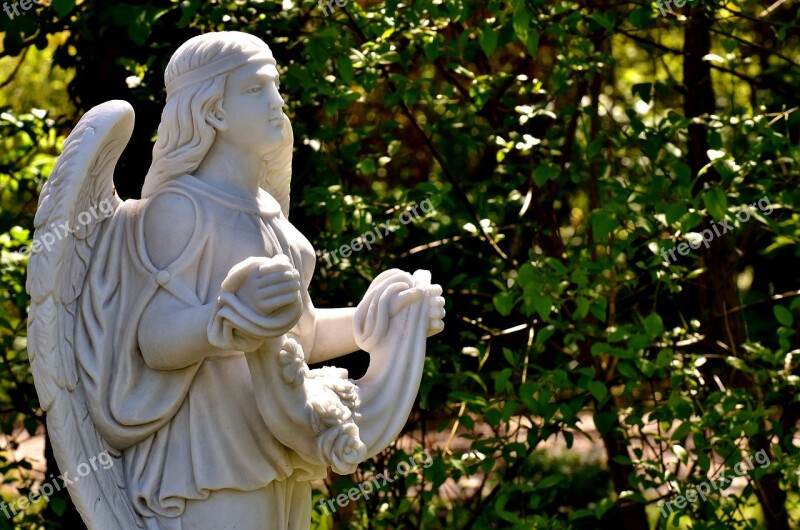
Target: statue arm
point(333, 335)
point(172, 334)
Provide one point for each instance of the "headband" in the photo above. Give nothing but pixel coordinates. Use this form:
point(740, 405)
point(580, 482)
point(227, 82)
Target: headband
point(221, 66)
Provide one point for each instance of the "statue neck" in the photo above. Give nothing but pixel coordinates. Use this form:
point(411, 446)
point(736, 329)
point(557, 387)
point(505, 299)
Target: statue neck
point(231, 169)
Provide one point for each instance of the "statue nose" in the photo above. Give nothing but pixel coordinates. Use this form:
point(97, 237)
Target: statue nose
point(275, 97)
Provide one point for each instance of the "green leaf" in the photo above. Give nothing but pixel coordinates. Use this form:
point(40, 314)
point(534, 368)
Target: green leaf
point(604, 420)
point(510, 357)
point(673, 212)
point(501, 381)
point(681, 431)
point(345, 67)
point(703, 461)
point(139, 29)
point(641, 17)
point(367, 166)
point(526, 275)
point(543, 305)
point(58, 505)
point(504, 303)
point(583, 308)
point(783, 315)
point(598, 309)
point(488, 41)
point(543, 335)
point(521, 22)
point(602, 225)
point(690, 220)
point(736, 362)
point(31, 425)
point(605, 20)
point(336, 218)
point(639, 341)
point(681, 453)
point(598, 389)
point(716, 203)
point(603, 506)
point(628, 370)
point(431, 48)
point(683, 174)
point(63, 7)
point(545, 172)
point(532, 43)
point(595, 146)
point(643, 90)
point(581, 514)
point(653, 325)
point(729, 45)
point(550, 481)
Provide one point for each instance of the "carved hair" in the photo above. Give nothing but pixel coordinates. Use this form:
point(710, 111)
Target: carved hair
point(195, 79)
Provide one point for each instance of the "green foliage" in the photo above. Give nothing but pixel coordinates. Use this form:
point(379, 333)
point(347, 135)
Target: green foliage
point(563, 150)
point(28, 155)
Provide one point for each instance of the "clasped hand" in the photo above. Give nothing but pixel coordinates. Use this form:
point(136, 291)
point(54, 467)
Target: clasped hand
point(273, 289)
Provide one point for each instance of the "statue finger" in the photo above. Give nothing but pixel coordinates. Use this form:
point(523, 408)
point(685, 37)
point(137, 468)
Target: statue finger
point(279, 262)
point(275, 278)
point(406, 298)
point(436, 313)
point(437, 301)
point(290, 315)
point(434, 327)
point(276, 303)
point(269, 292)
point(435, 289)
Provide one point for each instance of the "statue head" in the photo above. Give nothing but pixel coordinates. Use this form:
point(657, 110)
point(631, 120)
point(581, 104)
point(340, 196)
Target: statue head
point(195, 79)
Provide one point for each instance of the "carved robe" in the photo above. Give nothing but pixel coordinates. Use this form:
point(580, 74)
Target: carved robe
point(235, 422)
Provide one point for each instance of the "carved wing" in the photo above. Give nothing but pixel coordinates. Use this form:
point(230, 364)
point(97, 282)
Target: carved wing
point(76, 200)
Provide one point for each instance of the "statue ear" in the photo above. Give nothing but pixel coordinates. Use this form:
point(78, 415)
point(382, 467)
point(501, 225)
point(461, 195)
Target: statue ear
point(217, 118)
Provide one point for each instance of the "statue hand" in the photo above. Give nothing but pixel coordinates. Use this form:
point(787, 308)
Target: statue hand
point(436, 310)
point(273, 289)
point(434, 303)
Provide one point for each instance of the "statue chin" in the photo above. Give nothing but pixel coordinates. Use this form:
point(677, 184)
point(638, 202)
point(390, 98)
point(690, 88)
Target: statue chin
point(280, 138)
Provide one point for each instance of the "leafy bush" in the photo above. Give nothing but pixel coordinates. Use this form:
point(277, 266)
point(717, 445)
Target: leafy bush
point(563, 145)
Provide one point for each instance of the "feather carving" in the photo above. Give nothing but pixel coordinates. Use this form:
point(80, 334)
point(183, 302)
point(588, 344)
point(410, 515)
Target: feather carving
point(81, 180)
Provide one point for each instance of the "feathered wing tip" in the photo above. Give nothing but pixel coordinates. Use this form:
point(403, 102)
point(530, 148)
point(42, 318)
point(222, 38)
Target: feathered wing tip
point(79, 195)
point(276, 178)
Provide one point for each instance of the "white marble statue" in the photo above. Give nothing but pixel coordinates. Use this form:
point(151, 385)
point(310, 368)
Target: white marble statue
point(176, 332)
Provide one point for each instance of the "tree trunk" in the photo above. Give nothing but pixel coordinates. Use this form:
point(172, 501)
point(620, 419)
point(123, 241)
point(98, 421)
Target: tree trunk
point(718, 292)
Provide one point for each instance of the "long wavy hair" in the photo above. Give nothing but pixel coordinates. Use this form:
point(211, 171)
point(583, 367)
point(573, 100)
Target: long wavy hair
point(185, 134)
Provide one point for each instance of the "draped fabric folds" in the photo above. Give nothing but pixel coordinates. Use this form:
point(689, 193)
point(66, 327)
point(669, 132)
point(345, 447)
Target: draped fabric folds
point(255, 418)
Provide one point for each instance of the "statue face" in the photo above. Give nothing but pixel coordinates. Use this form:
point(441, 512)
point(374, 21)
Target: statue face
point(254, 108)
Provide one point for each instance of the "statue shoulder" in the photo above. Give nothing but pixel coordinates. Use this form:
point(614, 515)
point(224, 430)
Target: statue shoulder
point(170, 220)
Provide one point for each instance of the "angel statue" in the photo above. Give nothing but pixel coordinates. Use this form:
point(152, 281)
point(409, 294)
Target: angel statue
point(175, 334)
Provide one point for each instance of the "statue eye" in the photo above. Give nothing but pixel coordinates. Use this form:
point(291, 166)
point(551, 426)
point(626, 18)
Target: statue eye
point(253, 90)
